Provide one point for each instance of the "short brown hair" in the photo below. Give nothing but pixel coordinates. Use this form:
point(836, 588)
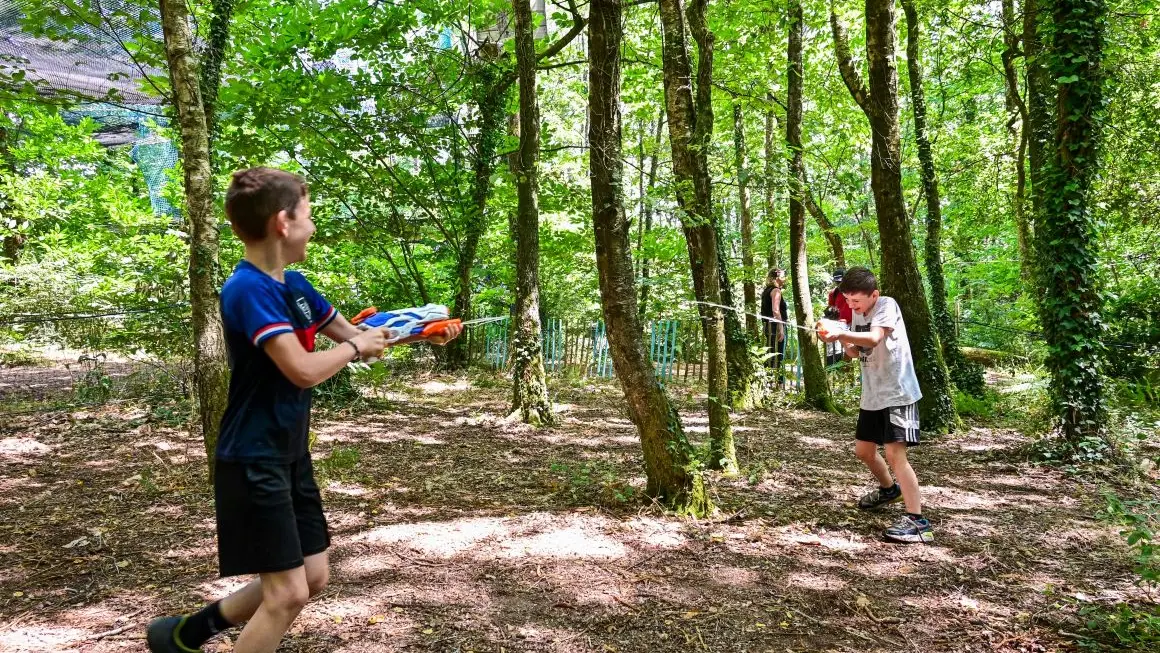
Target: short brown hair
point(858, 280)
point(255, 194)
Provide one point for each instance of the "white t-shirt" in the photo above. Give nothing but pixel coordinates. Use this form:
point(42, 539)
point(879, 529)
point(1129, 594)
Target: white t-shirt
point(887, 370)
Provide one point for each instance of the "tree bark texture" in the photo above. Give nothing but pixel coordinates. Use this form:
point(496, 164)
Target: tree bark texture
point(529, 383)
point(771, 156)
point(211, 371)
point(695, 199)
point(817, 388)
point(749, 285)
point(671, 467)
point(899, 277)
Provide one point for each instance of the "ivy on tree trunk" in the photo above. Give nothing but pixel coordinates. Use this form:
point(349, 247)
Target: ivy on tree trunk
point(1067, 235)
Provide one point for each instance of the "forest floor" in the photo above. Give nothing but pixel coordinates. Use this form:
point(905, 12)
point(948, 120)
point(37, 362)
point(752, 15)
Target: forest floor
point(455, 530)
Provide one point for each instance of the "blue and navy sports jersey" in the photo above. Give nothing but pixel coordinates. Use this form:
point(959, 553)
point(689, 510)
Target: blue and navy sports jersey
point(267, 417)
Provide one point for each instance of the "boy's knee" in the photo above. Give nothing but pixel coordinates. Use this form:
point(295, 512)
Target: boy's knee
point(288, 597)
point(896, 454)
point(866, 451)
point(317, 579)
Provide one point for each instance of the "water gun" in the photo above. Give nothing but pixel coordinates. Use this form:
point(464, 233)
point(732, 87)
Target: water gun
point(827, 327)
point(422, 321)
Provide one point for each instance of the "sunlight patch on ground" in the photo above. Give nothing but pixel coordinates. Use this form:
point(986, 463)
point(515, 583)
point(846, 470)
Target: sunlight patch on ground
point(822, 443)
point(949, 498)
point(733, 576)
point(439, 387)
point(816, 581)
point(379, 433)
point(537, 535)
point(38, 639)
point(14, 449)
point(348, 489)
point(798, 536)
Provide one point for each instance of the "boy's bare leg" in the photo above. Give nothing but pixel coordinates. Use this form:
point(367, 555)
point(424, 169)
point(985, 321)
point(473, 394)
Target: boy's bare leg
point(907, 480)
point(240, 606)
point(284, 593)
point(868, 453)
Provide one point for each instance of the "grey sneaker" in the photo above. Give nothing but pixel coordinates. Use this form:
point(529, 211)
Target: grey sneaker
point(880, 497)
point(908, 530)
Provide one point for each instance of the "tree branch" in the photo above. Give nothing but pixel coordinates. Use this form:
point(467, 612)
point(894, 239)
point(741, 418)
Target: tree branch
point(850, 74)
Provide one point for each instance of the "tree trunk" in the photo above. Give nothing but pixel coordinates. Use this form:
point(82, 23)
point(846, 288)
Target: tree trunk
point(211, 372)
point(771, 174)
point(1067, 235)
point(670, 461)
point(817, 388)
point(1017, 128)
point(749, 285)
point(529, 385)
point(490, 99)
point(966, 375)
point(823, 221)
point(900, 277)
point(694, 196)
point(743, 387)
point(646, 208)
point(221, 12)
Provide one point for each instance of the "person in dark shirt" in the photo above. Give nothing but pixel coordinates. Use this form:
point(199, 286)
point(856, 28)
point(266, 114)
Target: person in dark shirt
point(773, 305)
point(269, 509)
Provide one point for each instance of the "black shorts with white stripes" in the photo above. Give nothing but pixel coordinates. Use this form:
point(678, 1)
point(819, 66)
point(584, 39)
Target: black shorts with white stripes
point(894, 424)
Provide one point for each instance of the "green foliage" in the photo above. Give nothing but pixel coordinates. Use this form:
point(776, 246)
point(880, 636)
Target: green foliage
point(339, 464)
point(93, 385)
point(592, 480)
point(970, 405)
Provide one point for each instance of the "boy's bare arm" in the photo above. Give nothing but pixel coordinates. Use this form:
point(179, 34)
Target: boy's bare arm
point(307, 369)
point(340, 329)
point(866, 339)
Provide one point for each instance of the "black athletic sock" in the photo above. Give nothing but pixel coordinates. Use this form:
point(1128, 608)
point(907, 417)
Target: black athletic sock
point(915, 517)
point(893, 489)
point(200, 626)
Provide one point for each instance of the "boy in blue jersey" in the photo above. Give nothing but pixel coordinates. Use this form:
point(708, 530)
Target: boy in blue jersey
point(269, 509)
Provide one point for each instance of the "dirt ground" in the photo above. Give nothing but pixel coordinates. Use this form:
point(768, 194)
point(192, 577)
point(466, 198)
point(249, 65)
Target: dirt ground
point(455, 530)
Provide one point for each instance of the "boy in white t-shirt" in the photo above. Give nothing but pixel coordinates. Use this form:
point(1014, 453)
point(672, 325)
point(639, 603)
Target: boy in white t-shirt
point(889, 407)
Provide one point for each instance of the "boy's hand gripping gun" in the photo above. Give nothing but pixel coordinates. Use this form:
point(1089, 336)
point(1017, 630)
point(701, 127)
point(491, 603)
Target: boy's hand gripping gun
point(423, 321)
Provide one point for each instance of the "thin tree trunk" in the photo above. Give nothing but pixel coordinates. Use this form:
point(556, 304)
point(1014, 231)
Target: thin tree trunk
point(966, 375)
point(1017, 128)
point(744, 391)
point(823, 221)
point(770, 175)
point(900, 276)
point(749, 285)
point(646, 209)
point(1067, 234)
point(817, 388)
point(211, 372)
point(530, 385)
point(670, 461)
point(490, 99)
point(695, 198)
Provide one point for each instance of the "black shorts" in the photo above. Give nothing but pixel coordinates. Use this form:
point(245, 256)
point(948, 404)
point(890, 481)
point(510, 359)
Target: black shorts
point(894, 424)
point(269, 516)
